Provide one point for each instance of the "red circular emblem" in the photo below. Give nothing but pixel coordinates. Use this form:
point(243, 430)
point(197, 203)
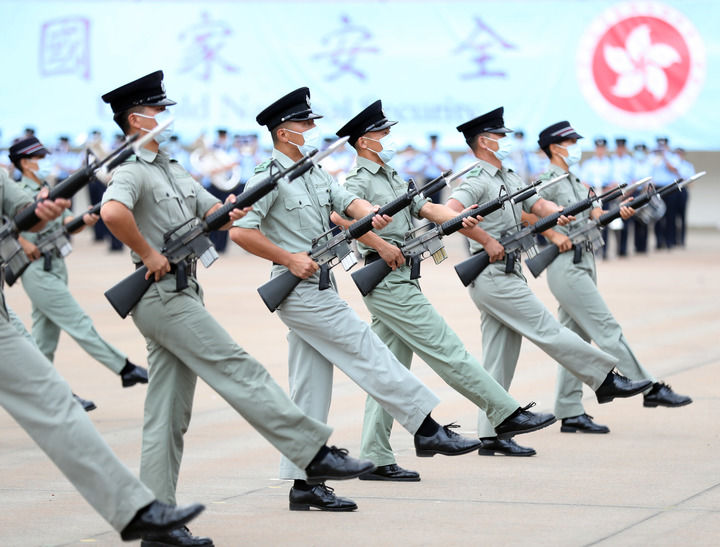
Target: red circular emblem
point(641, 62)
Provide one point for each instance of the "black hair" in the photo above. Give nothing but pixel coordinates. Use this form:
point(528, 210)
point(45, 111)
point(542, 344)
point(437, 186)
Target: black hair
point(121, 118)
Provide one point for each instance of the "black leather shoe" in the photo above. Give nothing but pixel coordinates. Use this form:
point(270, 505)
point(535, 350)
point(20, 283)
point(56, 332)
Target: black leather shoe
point(662, 394)
point(179, 537)
point(320, 497)
point(506, 447)
point(617, 385)
point(87, 404)
point(335, 464)
point(445, 442)
point(523, 421)
point(583, 423)
point(159, 518)
point(392, 472)
point(133, 374)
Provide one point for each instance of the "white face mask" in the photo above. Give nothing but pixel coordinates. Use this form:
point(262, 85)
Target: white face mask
point(45, 167)
point(388, 148)
point(505, 145)
point(312, 138)
point(160, 118)
point(574, 153)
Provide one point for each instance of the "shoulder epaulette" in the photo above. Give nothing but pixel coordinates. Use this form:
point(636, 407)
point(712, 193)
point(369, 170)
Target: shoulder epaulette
point(475, 172)
point(264, 166)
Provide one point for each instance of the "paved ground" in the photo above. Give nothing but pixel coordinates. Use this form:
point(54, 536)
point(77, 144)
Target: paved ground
point(654, 480)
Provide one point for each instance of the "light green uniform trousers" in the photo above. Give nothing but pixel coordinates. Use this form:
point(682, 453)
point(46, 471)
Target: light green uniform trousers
point(326, 331)
point(19, 326)
point(54, 309)
point(37, 397)
point(584, 311)
point(509, 311)
point(184, 341)
point(408, 323)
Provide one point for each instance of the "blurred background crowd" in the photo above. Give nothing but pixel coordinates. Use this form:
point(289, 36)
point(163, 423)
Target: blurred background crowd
point(225, 161)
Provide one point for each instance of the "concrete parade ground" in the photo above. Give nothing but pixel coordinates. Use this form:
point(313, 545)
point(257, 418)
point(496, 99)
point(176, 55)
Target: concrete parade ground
point(654, 480)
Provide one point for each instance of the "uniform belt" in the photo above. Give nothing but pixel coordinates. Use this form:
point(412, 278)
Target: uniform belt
point(371, 257)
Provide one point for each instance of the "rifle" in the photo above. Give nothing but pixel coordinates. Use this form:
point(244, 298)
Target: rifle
point(11, 252)
point(589, 237)
point(420, 245)
point(337, 249)
point(523, 239)
point(181, 249)
point(58, 241)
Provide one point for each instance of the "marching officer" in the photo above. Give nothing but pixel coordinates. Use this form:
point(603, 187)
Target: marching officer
point(38, 398)
point(54, 309)
point(581, 307)
point(324, 330)
point(402, 316)
point(509, 309)
point(149, 195)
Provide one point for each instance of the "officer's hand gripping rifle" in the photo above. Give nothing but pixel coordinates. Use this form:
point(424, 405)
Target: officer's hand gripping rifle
point(516, 242)
point(589, 236)
point(337, 249)
point(181, 248)
point(418, 247)
point(11, 253)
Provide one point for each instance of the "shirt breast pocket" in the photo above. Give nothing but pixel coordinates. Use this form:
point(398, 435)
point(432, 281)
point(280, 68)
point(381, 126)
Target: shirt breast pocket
point(187, 187)
point(299, 210)
point(166, 202)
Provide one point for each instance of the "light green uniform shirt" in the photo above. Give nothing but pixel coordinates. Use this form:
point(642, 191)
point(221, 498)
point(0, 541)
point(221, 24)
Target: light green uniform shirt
point(12, 198)
point(31, 189)
point(564, 193)
point(160, 193)
point(483, 184)
point(295, 212)
point(380, 185)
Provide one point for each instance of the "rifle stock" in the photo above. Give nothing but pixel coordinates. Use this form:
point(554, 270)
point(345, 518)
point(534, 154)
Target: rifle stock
point(12, 276)
point(472, 267)
point(368, 277)
point(276, 290)
point(542, 260)
point(125, 295)
point(78, 222)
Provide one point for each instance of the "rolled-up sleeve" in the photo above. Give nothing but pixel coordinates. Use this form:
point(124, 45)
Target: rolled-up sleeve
point(125, 187)
point(340, 197)
point(205, 200)
point(469, 192)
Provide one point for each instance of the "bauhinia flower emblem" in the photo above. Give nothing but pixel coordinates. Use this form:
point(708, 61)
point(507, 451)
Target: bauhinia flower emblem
point(640, 65)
